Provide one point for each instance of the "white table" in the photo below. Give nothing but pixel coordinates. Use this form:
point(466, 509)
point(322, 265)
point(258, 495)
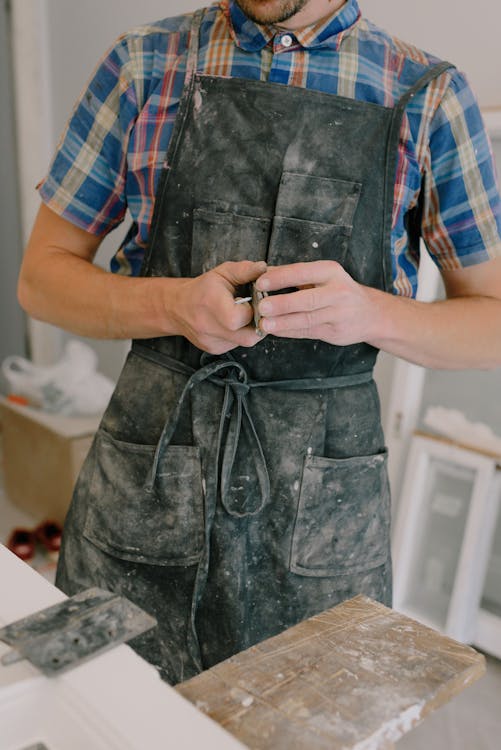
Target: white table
point(115, 701)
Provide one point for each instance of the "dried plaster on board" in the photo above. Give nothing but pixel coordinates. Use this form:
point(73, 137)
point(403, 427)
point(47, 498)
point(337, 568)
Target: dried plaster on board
point(392, 730)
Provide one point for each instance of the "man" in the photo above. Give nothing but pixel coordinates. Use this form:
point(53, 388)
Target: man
point(238, 481)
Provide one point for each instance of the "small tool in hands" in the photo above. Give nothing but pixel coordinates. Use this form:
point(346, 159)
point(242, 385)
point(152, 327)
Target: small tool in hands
point(257, 296)
point(254, 299)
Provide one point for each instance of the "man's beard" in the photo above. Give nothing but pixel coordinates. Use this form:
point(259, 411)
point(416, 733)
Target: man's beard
point(280, 11)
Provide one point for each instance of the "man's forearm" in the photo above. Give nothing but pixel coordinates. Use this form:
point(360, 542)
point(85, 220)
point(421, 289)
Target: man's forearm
point(59, 284)
point(70, 292)
point(451, 334)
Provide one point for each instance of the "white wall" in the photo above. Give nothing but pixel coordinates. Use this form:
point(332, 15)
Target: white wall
point(12, 336)
point(464, 32)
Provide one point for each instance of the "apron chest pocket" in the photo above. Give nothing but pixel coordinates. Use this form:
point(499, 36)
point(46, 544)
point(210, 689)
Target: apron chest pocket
point(313, 219)
point(165, 527)
point(343, 518)
point(221, 235)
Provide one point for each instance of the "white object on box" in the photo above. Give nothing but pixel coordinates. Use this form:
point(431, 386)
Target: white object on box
point(71, 387)
point(453, 424)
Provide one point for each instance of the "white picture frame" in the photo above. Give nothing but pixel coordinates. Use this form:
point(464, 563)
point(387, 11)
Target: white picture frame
point(488, 624)
point(439, 580)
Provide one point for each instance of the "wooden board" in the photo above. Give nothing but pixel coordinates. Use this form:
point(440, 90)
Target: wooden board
point(459, 444)
point(357, 676)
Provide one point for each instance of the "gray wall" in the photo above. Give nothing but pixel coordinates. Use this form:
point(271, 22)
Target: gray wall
point(12, 324)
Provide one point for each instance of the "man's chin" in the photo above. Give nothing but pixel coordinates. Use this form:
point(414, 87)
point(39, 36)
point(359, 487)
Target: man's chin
point(269, 12)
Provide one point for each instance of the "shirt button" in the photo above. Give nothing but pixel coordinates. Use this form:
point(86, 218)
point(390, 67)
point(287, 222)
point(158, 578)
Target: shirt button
point(286, 40)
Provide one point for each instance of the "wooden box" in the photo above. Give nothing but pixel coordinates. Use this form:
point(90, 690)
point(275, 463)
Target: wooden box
point(42, 456)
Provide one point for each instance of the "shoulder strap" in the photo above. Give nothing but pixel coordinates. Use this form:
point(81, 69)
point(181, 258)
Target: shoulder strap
point(429, 75)
point(179, 123)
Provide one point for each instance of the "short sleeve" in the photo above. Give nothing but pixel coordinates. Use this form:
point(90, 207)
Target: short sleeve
point(87, 177)
point(461, 223)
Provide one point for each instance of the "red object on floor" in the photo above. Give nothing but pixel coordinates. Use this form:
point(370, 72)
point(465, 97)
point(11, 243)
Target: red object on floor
point(20, 400)
point(49, 534)
point(22, 543)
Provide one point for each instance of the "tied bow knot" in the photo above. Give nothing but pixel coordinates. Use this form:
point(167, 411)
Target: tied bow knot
point(235, 419)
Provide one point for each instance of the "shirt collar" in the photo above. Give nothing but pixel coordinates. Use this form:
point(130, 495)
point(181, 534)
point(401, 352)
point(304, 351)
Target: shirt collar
point(328, 32)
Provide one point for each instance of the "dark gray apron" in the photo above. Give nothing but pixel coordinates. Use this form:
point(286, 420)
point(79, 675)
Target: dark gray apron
point(234, 496)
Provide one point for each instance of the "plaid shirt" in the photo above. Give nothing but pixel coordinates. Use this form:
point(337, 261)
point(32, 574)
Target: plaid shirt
point(110, 156)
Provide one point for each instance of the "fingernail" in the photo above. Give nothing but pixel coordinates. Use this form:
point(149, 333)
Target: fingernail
point(265, 307)
point(268, 325)
point(262, 284)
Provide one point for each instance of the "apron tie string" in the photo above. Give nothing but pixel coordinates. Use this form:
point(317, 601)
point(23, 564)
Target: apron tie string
point(235, 418)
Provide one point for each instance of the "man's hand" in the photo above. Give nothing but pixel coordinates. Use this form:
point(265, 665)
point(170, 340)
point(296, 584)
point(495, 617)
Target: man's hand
point(329, 305)
point(205, 308)
point(462, 331)
point(60, 284)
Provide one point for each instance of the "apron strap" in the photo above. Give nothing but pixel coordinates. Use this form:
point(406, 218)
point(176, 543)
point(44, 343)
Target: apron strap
point(392, 152)
point(175, 139)
point(429, 75)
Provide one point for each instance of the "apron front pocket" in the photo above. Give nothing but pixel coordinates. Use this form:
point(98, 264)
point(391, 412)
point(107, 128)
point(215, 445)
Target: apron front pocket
point(164, 527)
point(219, 236)
point(343, 519)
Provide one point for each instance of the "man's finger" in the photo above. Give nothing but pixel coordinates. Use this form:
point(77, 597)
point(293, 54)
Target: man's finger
point(247, 337)
point(241, 272)
point(301, 321)
point(298, 274)
point(306, 300)
point(237, 316)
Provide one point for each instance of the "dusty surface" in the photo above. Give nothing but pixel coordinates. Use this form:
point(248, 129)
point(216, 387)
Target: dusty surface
point(357, 676)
